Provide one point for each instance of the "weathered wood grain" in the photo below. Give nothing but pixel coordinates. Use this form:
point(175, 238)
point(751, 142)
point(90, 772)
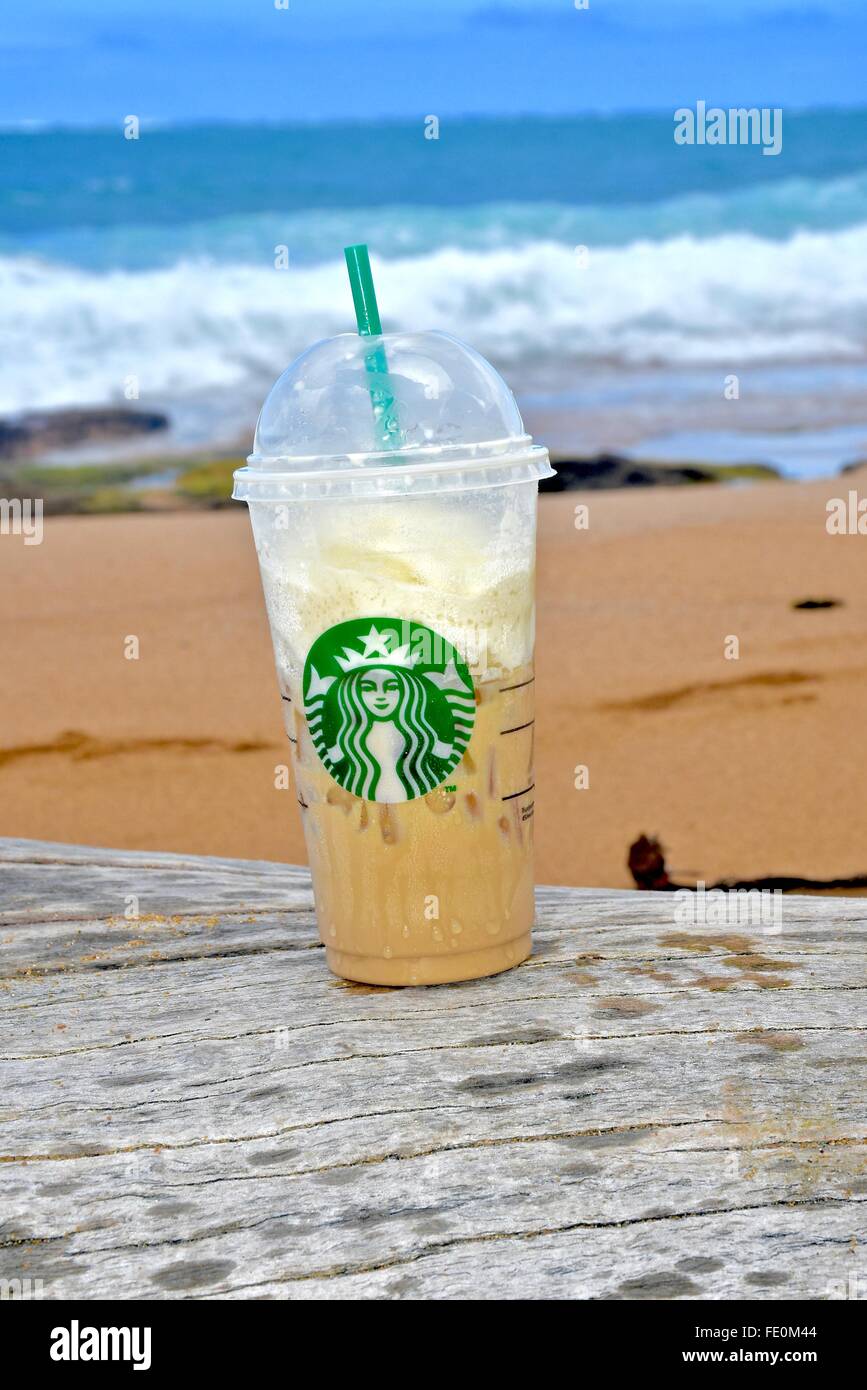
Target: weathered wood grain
point(191, 1106)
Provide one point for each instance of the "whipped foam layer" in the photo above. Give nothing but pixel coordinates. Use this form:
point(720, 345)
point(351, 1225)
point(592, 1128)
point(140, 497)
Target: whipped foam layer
point(462, 565)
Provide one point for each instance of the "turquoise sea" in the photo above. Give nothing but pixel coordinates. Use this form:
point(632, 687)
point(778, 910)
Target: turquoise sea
point(615, 277)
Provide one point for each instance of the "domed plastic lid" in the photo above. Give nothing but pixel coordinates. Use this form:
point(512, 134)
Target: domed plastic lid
point(386, 416)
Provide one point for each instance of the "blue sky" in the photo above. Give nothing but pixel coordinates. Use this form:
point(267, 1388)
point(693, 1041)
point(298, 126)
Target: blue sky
point(93, 61)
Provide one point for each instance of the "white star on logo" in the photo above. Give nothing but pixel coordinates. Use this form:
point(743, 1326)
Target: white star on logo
point(375, 644)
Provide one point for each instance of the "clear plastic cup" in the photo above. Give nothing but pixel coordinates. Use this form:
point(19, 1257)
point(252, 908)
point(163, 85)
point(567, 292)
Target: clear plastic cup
point(392, 492)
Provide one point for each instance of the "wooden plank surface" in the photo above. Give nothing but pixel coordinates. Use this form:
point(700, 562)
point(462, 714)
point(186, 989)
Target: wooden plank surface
point(193, 1107)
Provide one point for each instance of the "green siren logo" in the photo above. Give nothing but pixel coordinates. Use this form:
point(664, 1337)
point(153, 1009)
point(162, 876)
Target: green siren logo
point(390, 706)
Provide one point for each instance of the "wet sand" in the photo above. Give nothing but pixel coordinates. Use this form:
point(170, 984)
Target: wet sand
point(743, 767)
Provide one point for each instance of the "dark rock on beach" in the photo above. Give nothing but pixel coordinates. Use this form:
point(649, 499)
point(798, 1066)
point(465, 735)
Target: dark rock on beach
point(613, 470)
point(37, 432)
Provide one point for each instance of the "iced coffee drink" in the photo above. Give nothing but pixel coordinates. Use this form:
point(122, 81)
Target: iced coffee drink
point(412, 737)
point(399, 583)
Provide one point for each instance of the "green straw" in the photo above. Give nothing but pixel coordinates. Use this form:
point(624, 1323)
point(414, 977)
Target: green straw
point(363, 292)
point(376, 362)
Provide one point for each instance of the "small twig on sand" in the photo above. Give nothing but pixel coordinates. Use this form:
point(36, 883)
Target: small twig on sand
point(647, 865)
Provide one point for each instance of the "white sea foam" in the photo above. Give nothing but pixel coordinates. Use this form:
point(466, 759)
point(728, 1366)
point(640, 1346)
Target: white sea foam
point(71, 336)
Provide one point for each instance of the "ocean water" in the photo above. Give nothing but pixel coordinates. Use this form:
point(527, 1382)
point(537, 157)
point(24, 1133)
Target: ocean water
point(155, 259)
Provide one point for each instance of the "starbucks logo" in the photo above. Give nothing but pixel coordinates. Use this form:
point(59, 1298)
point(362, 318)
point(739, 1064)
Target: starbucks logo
point(390, 707)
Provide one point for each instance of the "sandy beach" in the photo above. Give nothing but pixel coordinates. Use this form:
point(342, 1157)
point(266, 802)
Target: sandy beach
point(742, 767)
